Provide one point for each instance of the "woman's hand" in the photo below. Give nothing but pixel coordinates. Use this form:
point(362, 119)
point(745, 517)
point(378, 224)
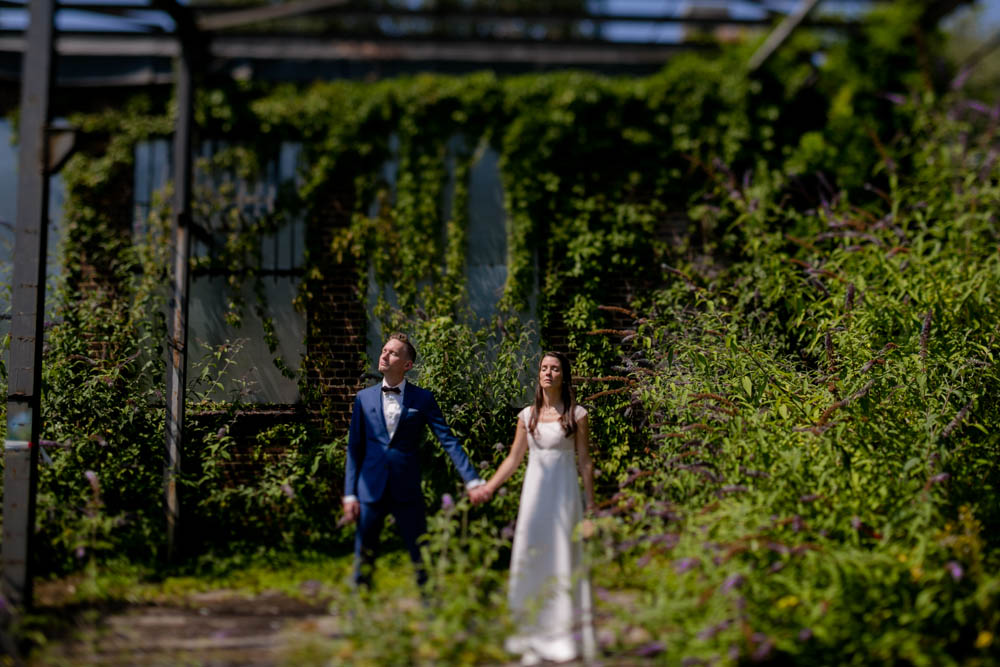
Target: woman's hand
point(480, 494)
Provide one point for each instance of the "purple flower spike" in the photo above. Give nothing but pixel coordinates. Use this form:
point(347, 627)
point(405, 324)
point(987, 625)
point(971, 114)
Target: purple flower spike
point(651, 649)
point(731, 582)
point(508, 532)
point(498, 446)
point(855, 522)
point(692, 662)
point(288, 490)
point(684, 564)
point(805, 634)
point(713, 630)
point(959, 81)
point(938, 478)
point(978, 106)
point(763, 650)
point(955, 570)
point(80, 552)
point(447, 502)
point(895, 98)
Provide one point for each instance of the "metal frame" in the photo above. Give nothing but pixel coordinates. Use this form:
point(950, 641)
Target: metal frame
point(28, 308)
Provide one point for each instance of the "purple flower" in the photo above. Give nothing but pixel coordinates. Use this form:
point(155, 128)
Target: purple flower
point(978, 106)
point(855, 522)
point(288, 490)
point(938, 478)
point(483, 465)
point(447, 502)
point(80, 552)
point(692, 662)
point(963, 76)
point(508, 532)
point(763, 650)
point(776, 566)
point(734, 488)
point(651, 649)
point(221, 432)
point(805, 634)
point(732, 581)
point(498, 446)
point(713, 630)
point(954, 569)
point(502, 491)
point(809, 497)
point(684, 564)
point(895, 98)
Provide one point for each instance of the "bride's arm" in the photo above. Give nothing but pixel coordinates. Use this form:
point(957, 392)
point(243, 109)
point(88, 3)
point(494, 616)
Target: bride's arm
point(512, 461)
point(583, 461)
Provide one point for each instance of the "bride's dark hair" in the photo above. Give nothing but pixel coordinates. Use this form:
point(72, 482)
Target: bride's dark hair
point(568, 396)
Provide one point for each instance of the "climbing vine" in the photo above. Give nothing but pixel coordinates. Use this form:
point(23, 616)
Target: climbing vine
point(595, 170)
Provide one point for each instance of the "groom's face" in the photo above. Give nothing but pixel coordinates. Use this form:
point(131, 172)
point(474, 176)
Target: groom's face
point(394, 359)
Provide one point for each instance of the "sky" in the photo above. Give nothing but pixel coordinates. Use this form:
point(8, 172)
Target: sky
point(67, 19)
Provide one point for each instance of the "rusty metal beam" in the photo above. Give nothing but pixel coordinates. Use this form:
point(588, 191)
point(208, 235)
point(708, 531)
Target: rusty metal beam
point(178, 325)
point(295, 47)
point(781, 33)
point(28, 308)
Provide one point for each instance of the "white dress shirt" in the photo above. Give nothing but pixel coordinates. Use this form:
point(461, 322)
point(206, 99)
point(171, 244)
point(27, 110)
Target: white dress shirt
point(392, 406)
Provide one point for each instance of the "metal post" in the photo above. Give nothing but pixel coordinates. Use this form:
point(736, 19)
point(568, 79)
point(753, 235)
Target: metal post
point(28, 308)
point(781, 33)
point(177, 343)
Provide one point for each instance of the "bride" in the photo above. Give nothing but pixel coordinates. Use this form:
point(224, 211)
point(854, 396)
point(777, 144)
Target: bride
point(549, 591)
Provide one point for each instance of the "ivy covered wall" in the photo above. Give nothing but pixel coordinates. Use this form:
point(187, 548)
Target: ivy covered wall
point(602, 180)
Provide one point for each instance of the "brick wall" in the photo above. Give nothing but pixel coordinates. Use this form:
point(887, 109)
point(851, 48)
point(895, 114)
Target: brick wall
point(336, 325)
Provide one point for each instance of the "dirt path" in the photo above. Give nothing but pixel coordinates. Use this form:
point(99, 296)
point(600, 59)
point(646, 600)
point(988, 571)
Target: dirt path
point(218, 628)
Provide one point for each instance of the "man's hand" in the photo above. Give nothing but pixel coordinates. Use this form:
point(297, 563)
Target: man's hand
point(480, 494)
point(352, 510)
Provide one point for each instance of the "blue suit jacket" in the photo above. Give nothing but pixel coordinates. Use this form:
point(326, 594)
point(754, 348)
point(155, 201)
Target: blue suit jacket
point(374, 460)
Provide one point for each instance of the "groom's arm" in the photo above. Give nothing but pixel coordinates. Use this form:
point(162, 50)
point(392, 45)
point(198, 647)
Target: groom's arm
point(450, 443)
point(355, 455)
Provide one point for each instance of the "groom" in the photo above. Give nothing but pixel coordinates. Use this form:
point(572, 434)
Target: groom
point(382, 474)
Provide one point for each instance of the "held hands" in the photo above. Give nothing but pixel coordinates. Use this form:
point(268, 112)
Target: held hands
point(480, 494)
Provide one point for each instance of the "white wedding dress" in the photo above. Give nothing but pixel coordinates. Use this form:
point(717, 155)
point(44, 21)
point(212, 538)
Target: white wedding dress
point(549, 592)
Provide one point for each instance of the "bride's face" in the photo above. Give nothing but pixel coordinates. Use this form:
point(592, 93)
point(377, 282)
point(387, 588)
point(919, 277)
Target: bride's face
point(550, 373)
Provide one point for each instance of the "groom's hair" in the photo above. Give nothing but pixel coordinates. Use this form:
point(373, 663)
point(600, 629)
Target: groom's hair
point(405, 340)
